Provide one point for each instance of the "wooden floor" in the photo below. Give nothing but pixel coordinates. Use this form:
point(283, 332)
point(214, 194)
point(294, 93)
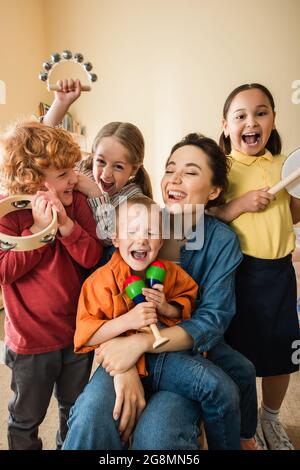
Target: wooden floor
point(290, 413)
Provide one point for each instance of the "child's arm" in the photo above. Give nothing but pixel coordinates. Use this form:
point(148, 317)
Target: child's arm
point(16, 264)
point(142, 315)
point(70, 91)
point(252, 201)
point(103, 213)
point(157, 296)
point(100, 204)
point(96, 308)
point(79, 235)
point(295, 209)
point(180, 290)
point(88, 187)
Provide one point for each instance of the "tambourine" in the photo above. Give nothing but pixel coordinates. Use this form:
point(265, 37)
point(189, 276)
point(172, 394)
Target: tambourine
point(66, 56)
point(290, 176)
point(29, 242)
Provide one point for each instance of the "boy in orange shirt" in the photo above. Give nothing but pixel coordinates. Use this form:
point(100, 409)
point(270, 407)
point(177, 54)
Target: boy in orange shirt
point(105, 311)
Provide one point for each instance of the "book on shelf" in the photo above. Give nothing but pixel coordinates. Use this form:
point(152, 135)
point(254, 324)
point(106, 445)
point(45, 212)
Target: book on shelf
point(70, 125)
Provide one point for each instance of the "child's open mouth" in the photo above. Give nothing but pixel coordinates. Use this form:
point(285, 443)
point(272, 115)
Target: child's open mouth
point(107, 187)
point(139, 255)
point(251, 138)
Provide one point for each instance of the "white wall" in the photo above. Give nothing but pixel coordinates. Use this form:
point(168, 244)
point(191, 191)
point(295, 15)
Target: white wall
point(165, 65)
point(22, 46)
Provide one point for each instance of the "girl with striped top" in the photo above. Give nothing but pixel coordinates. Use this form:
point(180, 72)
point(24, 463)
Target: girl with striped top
point(115, 169)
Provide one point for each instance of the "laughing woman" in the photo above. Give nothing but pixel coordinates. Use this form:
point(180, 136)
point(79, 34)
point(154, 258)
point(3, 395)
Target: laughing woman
point(107, 413)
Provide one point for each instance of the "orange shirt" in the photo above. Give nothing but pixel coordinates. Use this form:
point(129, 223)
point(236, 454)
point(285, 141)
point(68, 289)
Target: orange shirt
point(103, 298)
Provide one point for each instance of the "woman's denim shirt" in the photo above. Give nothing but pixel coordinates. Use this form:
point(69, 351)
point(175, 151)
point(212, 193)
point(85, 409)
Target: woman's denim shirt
point(213, 268)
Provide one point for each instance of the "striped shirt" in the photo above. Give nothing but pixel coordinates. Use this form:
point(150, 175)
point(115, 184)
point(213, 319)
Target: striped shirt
point(99, 205)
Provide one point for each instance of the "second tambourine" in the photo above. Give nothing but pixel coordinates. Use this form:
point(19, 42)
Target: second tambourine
point(66, 56)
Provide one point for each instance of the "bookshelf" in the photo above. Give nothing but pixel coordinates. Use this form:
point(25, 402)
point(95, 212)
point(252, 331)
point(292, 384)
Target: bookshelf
point(72, 126)
point(81, 141)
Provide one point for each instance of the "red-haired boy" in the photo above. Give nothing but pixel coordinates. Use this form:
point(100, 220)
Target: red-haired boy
point(41, 287)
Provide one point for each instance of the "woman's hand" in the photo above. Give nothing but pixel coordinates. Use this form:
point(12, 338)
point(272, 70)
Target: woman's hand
point(130, 401)
point(256, 201)
point(87, 186)
point(143, 314)
point(120, 354)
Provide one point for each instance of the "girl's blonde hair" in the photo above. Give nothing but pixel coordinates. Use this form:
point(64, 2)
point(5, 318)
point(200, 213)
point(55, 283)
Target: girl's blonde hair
point(29, 148)
point(131, 138)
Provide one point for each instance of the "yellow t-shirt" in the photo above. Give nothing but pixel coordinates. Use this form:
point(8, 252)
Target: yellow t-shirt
point(268, 234)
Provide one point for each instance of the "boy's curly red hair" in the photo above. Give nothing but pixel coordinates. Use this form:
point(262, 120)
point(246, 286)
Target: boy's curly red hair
point(29, 148)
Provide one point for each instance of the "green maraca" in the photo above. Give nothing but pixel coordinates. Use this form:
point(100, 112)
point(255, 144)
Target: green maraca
point(133, 287)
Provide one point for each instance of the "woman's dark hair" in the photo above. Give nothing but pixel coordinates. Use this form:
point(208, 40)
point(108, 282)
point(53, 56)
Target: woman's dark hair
point(274, 143)
point(217, 162)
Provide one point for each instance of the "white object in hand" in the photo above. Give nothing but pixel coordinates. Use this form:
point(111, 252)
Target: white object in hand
point(290, 176)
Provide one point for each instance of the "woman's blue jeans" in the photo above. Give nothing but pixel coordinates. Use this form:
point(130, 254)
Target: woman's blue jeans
point(170, 421)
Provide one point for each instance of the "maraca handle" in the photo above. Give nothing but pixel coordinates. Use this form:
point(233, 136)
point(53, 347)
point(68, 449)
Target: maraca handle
point(158, 338)
point(56, 88)
point(133, 287)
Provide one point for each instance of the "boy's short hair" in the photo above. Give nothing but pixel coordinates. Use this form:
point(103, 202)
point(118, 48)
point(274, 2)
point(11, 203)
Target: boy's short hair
point(29, 148)
point(143, 200)
point(138, 199)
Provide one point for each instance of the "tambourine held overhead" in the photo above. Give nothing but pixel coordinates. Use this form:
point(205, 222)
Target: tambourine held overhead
point(29, 242)
point(66, 56)
point(290, 176)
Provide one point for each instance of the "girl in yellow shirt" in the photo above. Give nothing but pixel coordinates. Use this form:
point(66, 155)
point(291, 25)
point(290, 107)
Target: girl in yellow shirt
point(265, 327)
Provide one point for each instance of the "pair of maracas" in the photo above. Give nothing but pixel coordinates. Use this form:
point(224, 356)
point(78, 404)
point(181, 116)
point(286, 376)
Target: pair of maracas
point(133, 286)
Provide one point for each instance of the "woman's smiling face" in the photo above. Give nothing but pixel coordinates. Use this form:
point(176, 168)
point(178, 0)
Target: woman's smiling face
point(188, 178)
